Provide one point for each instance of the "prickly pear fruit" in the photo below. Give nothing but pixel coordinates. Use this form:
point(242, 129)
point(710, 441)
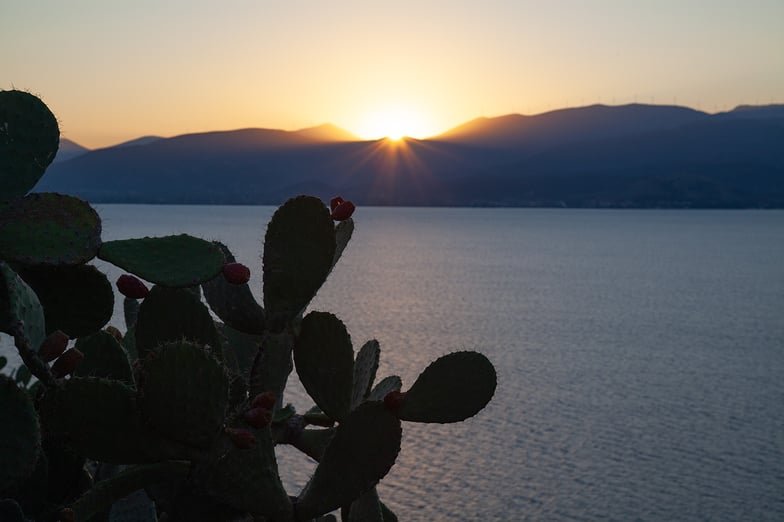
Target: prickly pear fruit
point(264, 400)
point(242, 438)
point(53, 346)
point(67, 363)
point(343, 211)
point(236, 273)
point(115, 332)
point(334, 202)
point(258, 417)
point(393, 400)
point(67, 515)
point(132, 287)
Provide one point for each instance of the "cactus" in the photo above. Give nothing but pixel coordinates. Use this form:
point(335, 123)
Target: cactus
point(365, 368)
point(104, 357)
point(183, 393)
point(174, 261)
point(299, 248)
point(90, 301)
point(171, 314)
point(234, 304)
point(29, 139)
point(20, 304)
point(453, 388)
point(191, 406)
point(325, 363)
point(49, 229)
point(20, 438)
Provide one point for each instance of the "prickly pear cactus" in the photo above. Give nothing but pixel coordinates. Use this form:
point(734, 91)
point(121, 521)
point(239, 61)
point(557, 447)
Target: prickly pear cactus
point(29, 139)
point(49, 229)
point(183, 393)
point(173, 261)
point(188, 404)
point(20, 439)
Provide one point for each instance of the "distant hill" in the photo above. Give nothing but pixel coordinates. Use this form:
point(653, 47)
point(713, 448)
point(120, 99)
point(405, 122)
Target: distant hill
point(69, 150)
point(598, 156)
point(536, 133)
point(760, 112)
point(144, 140)
point(326, 133)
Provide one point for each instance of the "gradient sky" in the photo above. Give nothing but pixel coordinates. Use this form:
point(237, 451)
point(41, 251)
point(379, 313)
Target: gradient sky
point(113, 71)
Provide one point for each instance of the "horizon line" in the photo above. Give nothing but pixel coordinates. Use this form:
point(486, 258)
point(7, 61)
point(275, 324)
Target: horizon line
point(63, 135)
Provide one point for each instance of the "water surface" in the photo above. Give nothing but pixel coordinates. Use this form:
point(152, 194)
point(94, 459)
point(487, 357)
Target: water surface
point(640, 353)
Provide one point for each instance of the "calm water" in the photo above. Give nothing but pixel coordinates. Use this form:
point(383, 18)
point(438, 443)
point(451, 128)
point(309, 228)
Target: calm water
point(640, 353)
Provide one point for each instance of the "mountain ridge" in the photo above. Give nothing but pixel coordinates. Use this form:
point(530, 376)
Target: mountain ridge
point(609, 156)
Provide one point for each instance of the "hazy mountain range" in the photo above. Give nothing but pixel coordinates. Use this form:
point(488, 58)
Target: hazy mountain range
point(597, 156)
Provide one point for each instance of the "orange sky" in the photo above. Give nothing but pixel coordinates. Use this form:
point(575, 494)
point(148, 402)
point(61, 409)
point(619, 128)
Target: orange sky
point(115, 71)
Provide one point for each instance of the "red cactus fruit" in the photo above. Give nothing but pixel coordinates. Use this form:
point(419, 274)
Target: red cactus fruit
point(67, 515)
point(393, 400)
point(264, 400)
point(53, 346)
point(258, 417)
point(242, 438)
point(236, 273)
point(334, 202)
point(132, 287)
point(115, 332)
point(343, 211)
point(67, 363)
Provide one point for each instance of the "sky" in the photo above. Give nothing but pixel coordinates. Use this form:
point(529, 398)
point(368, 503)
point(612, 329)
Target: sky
point(113, 71)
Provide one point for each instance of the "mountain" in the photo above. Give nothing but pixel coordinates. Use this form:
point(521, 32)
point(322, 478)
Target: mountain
point(717, 163)
point(759, 112)
point(597, 156)
point(536, 133)
point(144, 140)
point(326, 133)
point(68, 150)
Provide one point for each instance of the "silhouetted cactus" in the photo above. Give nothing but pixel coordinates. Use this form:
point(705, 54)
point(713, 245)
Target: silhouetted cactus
point(192, 408)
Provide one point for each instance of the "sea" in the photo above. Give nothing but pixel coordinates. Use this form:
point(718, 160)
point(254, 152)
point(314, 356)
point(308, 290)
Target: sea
point(640, 353)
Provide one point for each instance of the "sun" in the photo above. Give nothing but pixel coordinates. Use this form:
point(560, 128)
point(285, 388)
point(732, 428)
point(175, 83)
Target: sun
point(395, 123)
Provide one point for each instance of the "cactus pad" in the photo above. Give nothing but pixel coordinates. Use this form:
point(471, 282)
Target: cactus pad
point(365, 368)
point(299, 247)
point(234, 304)
point(77, 299)
point(361, 453)
point(384, 386)
point(183, 393)
point(49, 229)
point(18, 302)
point(272, 365)
point(174, 261)
point(10, 511)
point(130, 311)
point(367, 508)
point(313, 442)
point(98, 419)
point(20, 437)
point(246, 479)
point(453, 388)
point(324, 360)
point(171, 314)
point(343, 232)
point(240, 347)
point(29, 139)
point(105, 492)
point(103, 357)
